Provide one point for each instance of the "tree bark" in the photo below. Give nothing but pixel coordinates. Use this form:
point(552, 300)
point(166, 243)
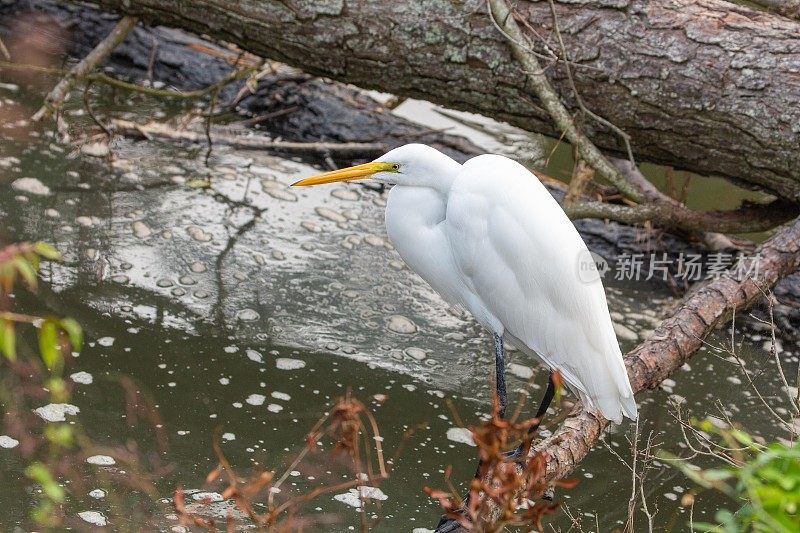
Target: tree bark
point(703, 85)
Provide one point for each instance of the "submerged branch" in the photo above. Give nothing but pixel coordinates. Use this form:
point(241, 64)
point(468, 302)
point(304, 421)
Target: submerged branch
point(155, 130)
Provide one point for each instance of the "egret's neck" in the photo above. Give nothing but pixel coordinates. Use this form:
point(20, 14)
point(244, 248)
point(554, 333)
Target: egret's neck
point(414, 216)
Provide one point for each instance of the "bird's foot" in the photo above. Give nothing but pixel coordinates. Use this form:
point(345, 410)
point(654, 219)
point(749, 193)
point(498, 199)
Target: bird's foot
point(448, 524)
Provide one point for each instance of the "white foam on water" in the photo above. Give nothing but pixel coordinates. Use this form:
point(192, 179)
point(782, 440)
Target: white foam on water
point(281, 396)
point(253, 355)
point(101, 460)
point(460, 435)
point(286, 363)
point(30, 186)
point(207, 497)
point(94, 518)
point(8, 442)
point(84, 378)
point(353, 498)
point(256, 399)
point(56, 412)
point(106, 341)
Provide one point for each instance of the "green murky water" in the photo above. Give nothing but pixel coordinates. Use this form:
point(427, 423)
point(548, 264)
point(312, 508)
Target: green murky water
point(250, 308)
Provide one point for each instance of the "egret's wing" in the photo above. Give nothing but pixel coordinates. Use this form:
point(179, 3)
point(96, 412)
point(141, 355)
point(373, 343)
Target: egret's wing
point(520, 256)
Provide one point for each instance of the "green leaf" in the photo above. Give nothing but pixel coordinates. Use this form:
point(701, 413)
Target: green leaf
point(743, 437)
point(47, 251)
point(48, 345)
point(26, 271)
point(198, 184)
point(8, 339)
point(73, 331)
point(59, 434)
point(39, 473)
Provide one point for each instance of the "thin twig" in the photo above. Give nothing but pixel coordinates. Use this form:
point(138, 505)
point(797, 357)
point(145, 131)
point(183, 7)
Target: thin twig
point(4, 51)
point(100, 77)
point(552, 103)
point(88, 106)
point(626, 139)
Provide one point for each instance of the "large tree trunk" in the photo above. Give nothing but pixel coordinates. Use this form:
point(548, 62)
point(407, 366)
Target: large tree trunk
point(703, 85)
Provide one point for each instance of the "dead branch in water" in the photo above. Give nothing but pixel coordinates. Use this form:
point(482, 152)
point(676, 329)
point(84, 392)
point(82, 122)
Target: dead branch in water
point(55, 98)
point(156, 130)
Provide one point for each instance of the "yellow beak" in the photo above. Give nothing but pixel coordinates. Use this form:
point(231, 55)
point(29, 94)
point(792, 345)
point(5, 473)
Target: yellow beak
point(347, 174)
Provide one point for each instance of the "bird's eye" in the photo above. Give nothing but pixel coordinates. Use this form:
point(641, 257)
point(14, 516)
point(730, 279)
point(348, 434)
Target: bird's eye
point(395, 167)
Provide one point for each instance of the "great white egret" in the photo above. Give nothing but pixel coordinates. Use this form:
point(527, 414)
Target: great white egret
point(487, 236)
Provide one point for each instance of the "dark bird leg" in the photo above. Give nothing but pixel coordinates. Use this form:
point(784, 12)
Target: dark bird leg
point(500, 374)
point(543, 406)
point(447, 525)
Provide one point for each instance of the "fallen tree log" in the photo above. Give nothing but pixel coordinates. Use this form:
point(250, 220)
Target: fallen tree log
point(674, 341)
point(703, 85)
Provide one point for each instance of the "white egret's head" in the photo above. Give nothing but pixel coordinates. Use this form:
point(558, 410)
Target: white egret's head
point(410, 164)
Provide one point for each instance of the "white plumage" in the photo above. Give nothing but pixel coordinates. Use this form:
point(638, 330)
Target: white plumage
point(488, 236)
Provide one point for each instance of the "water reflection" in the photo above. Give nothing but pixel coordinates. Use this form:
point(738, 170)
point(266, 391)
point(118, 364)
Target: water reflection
point(251, 307)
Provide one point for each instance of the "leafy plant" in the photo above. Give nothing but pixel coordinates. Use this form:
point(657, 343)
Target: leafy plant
point(57, 337)
point(764, 481)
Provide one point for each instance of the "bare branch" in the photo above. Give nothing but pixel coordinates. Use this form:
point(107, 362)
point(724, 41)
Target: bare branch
point(552, 103)
point(55, 98)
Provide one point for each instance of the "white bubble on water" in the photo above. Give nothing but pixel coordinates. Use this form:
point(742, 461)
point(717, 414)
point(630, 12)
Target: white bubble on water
point(330, 214)
point(521, 371)
point(198, 234)
point(256, 399)
point(97, 494)
point(30, 186)
point(101, 460)
point(94, 518)
point(281, 396)
point(8, 442)
point(141, 230)
point(106, 341)
point(247, 315)
point(353, 497)
point(207, 497)
point(84, 378)
point(274, 408)
point(254, 355)
point(286, 363)
point(401, 324)
point(228, 436)
point(56, 412)
point(460, 435)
